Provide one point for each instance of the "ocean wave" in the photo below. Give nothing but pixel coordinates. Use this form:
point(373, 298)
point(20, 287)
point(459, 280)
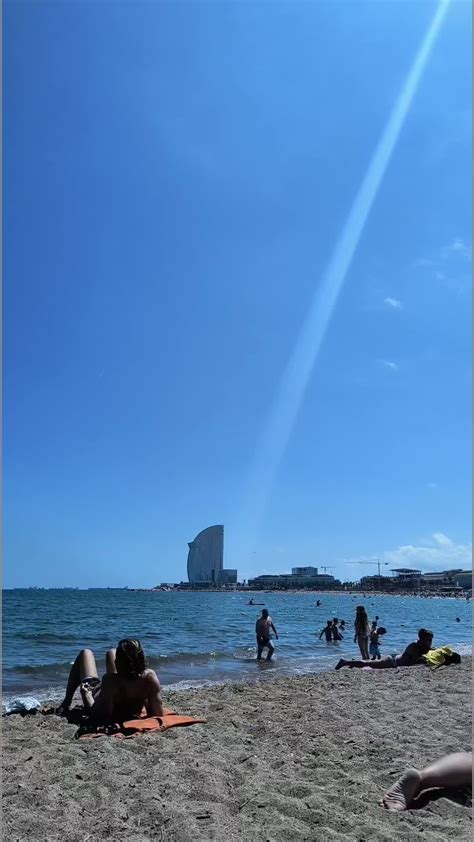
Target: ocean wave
point(154, 661)
point(187, 658)
point(39, 669)
point(42, 637)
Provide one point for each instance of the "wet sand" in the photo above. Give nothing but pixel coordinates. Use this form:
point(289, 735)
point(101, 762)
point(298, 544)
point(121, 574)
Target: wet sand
point(295, 759)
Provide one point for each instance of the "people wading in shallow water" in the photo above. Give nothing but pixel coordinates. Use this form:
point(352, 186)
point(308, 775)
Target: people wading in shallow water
point(127, 687)
point(453, 770)
point(362, 631)
point(263, 627)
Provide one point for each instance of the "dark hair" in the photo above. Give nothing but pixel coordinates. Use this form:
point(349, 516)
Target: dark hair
point(361, 619)
point(424, 633)
point(264, 612)
point(381, 630)
point(130, 658)
point(453, 658)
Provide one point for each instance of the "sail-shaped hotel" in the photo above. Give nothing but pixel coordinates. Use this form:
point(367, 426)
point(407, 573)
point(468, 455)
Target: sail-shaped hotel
point(206, 559)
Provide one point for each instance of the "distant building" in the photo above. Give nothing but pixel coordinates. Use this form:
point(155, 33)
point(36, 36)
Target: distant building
point(373, 583)
point(226, 577)
point(447, 579)
point(406, 578)
point(286, 581)
point(206, 559)
point(464, 579)
point(304, 571)
point(406, 575)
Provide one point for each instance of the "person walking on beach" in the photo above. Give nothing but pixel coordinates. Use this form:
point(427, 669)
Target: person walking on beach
point(127, 687)
point(362, 631)
point(374, 646)
point(327, 631)
point(263, 627)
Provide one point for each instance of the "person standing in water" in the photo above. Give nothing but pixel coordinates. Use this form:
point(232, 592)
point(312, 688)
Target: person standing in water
point(327, 631)
point(374, 647)
point(336, 635)
point(263, 627)
point(362, 631)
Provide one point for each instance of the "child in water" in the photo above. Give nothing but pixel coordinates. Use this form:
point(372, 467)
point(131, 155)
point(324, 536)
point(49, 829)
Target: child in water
point(327, 631)
point(336, 634)
point(374, 648)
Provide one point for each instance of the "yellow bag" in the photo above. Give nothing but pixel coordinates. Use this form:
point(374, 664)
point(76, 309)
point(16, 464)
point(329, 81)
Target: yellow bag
point(437, 657)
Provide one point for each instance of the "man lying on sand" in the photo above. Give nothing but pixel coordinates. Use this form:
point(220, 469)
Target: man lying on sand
point(127, 686)
point(412, 655)
point(454, 770)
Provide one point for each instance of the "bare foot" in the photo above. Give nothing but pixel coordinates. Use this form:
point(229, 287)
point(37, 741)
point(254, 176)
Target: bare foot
point(62, 710)
point(401, 794)
point(340, 663)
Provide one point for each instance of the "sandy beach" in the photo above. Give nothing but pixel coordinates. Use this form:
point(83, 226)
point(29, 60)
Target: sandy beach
point(297, 759)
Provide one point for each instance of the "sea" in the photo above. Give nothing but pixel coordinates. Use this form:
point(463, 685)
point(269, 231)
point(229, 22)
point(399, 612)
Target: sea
point(195, 639)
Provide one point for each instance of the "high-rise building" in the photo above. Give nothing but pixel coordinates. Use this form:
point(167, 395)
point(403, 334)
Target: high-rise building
point(206, 559)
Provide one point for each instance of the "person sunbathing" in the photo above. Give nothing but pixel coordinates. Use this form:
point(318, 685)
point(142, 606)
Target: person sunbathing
point(412, 655)
point(453, 770)
point(127, 687)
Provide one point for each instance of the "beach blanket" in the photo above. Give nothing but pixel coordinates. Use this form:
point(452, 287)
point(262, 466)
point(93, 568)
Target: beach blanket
point(134, 727)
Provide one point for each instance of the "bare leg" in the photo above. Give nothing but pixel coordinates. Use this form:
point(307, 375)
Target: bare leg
point(454, 770)
point(363, 647)
point(83, 667)
point(110, 661)
point(383, 663)
point(271, 650)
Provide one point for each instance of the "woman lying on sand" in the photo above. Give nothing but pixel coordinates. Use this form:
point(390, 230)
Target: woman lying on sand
point(127, 686)
point(454, 770)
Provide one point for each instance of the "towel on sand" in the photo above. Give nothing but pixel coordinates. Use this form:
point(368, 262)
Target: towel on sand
point(134, 727)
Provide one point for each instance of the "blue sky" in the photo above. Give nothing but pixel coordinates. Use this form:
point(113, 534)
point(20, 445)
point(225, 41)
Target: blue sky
point(176, 179)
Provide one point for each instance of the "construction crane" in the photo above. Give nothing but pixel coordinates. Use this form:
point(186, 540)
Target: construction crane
point(377, 562)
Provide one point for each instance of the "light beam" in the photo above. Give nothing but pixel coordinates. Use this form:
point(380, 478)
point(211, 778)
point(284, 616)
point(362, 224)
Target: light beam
point(303, 358)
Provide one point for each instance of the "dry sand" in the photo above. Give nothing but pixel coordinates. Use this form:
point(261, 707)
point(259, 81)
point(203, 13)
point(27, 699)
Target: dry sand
point(302, 759)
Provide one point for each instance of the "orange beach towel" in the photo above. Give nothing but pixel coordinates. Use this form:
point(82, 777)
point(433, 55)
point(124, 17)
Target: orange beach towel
point(134, 727)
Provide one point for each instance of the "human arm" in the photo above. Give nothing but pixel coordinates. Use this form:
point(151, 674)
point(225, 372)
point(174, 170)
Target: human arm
point(274, 630)
point(153, 704)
